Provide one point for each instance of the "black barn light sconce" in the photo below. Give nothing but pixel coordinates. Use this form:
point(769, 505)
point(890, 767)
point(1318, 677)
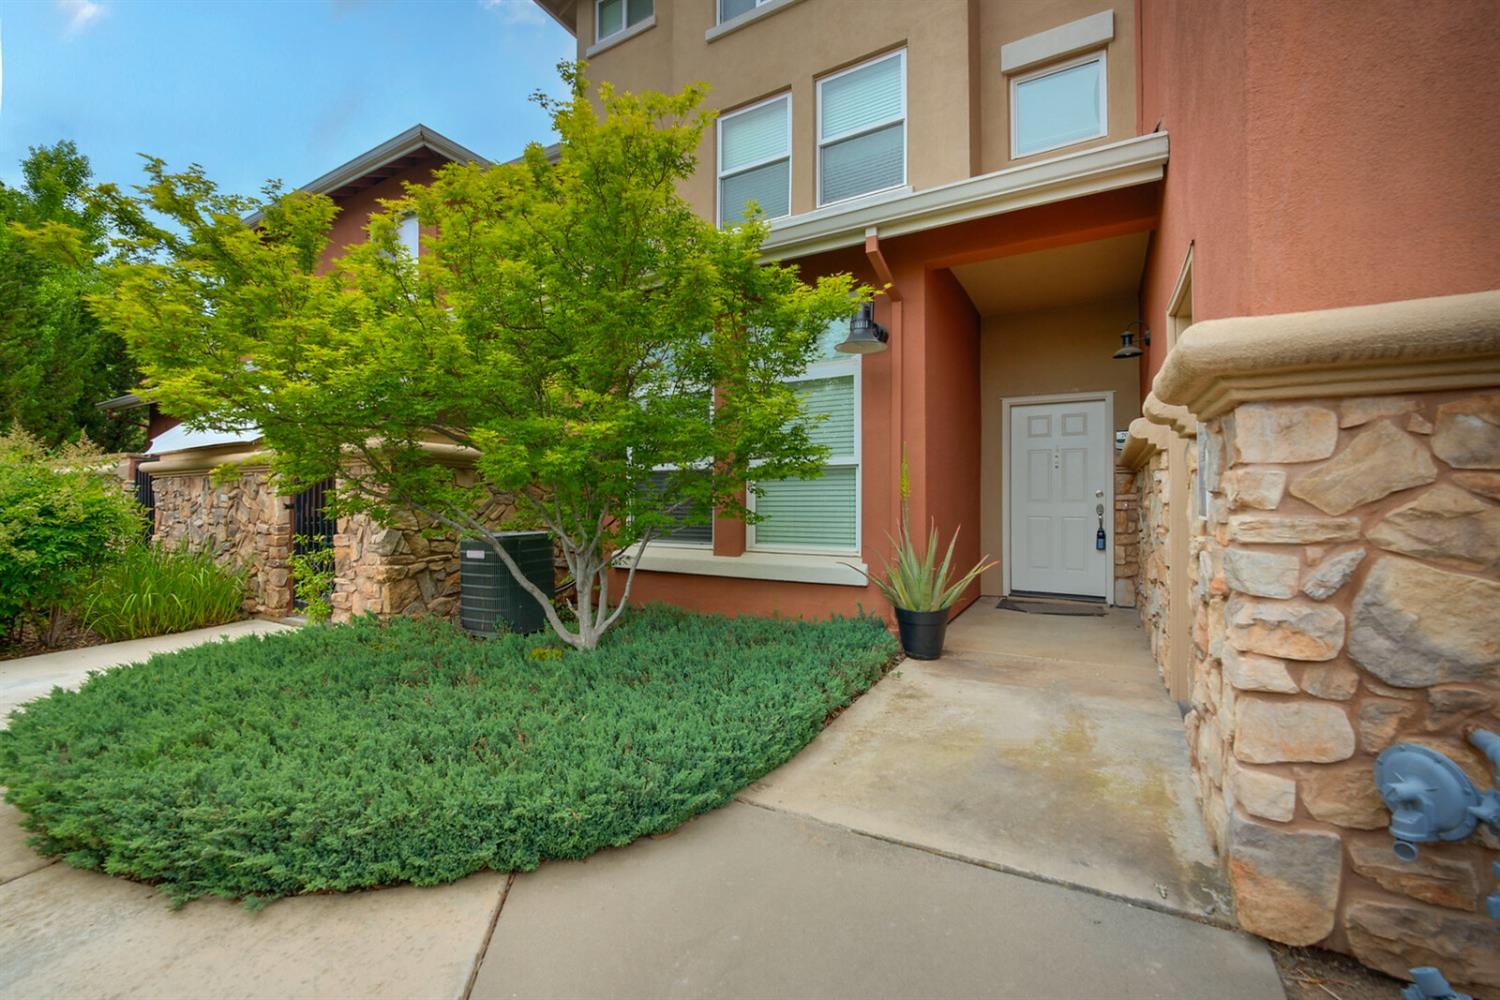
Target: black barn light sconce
point(1128, 348)
point(865, 335)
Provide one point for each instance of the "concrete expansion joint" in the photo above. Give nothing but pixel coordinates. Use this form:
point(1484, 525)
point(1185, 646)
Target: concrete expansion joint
point(1221, 919)
point(489, 935)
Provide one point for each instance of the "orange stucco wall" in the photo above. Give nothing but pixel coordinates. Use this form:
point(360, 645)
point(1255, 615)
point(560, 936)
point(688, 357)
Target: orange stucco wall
point(1323, 154)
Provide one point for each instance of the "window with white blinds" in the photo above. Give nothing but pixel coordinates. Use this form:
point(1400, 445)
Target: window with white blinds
point(822, 514)
point(731, 9)
point(1058, 106)
point(680, 512)
point(862, 129)
point(613, 16)
point(409, 235)
point(755, 160)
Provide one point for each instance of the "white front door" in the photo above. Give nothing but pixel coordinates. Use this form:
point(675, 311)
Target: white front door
point(1058, 483)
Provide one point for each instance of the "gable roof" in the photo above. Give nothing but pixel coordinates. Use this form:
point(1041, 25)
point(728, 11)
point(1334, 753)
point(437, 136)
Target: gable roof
point(561, 11)
point(388, 158)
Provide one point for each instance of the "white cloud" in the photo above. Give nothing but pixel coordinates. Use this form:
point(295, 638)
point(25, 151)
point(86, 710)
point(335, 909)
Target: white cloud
point(518, 12)
point(80, 14)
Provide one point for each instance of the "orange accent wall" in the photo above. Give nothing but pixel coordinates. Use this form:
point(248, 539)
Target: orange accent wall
point(1323, 154)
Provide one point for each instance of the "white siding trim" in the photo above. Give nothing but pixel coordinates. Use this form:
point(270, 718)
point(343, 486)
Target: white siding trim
point(1065, 40)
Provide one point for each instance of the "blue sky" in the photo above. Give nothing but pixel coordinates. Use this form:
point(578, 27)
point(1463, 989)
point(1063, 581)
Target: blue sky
point(255, 89)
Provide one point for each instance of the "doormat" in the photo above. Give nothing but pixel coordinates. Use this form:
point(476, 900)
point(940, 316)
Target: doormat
point(1031, 606)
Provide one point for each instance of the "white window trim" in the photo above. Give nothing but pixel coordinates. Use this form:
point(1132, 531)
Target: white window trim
point(762, 8)
point(885, 123)
point(1015, 118)
point(719, 155)
point(1064, 40)
point(627, 31)
point(790, 567)
point(832, 368)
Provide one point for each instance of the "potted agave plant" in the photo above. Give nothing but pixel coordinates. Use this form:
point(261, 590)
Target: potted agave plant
point(922, 589)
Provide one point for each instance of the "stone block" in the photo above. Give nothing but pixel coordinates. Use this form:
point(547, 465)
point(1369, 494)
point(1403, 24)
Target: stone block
point(1381, 720)
point(1331, 681)
point(1447, 705)
point(1444, 524)
point(1486, 484)
point(1270, 529)
point(1418, 424)
point(1393, 936)
point(1363, 409)
point(1261, 489)
point(1432, 878)
point(1378, 462)
point(1262, 574)
point(1285, 882)
point(1344, 796)
point(1263, 793)
point(1467, 433)
point(1280, 730)
point(1271, 432)
point(1296, 630)
point(1253, 672)
point(1414, 625)
point(1325, 579)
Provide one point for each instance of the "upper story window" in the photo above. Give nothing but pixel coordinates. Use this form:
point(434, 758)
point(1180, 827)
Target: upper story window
point(730, 9)
point(862, 129)
point(755, 160)
point(1058, 106)
point(409, 235)
point(613, 16)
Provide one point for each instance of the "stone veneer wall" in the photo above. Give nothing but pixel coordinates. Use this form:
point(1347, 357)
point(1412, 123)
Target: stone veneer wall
point(1127, 538)
point(242, 521)
point(399, 570)
point(1153, 590)
point(1349, 599)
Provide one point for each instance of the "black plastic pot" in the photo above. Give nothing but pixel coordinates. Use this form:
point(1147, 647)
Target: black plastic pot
point(922, 632)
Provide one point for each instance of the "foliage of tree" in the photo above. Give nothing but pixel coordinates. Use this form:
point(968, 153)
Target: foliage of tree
point(568, 322)
point(56, 361)
point(63, 515)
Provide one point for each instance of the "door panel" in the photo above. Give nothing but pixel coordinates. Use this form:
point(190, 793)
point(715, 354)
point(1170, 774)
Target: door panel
point(1058, 478)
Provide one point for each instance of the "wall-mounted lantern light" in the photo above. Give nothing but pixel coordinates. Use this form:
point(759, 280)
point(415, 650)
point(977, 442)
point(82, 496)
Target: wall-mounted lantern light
point(1128, 348)
point(865, 335)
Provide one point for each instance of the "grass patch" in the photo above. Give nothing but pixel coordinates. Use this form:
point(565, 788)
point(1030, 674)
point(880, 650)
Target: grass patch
point(154, 590)
point(341, 758)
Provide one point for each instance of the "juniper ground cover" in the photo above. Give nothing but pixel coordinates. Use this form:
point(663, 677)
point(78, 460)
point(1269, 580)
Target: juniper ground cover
point(340, 758)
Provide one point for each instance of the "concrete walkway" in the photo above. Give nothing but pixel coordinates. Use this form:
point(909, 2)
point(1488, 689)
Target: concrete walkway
point(800, 889)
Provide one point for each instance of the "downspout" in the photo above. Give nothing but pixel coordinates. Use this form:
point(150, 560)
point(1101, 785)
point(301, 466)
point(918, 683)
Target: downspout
point(898, 416)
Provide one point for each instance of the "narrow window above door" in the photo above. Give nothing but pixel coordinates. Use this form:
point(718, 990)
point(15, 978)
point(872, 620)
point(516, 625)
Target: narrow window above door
point(1058, 106)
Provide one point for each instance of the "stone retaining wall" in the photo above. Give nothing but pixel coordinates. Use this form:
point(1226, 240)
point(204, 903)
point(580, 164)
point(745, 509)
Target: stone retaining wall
point(242, 521)
point(1349, 599)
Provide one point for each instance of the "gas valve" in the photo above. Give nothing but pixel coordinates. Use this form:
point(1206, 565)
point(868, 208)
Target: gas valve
point(1431, 798)
point(1429, 984)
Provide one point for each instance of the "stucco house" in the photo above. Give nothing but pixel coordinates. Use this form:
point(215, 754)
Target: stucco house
point(1218, 279)
point(1192, 306)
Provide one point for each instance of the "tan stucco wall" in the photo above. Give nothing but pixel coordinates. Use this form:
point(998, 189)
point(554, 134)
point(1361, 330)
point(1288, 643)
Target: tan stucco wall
point(957, 98)
point(1041, 353)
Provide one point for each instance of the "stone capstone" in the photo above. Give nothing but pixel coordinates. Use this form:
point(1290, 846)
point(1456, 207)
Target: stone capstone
point(1413, 625)
point(1263, 574)
point(1378, 462)
point(1263, 793)
point(1261, 489)
point(1393, 936)
point(1253, 672)
point(1278, 730)
point(1296, 630)
point(1285, 883)
point(1268, 432)
point(1467, 433)
point(1270, 529)
point(1431, 878)
point(1443, 524)
point(1325, 579)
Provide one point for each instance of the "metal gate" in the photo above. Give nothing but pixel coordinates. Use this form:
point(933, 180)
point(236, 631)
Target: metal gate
point(312, 526)
point(145, 494)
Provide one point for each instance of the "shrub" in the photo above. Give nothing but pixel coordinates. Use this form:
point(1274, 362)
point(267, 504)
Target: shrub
point(63, 515)
point(153, 590)
point(361, 755)
point(312, 578)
